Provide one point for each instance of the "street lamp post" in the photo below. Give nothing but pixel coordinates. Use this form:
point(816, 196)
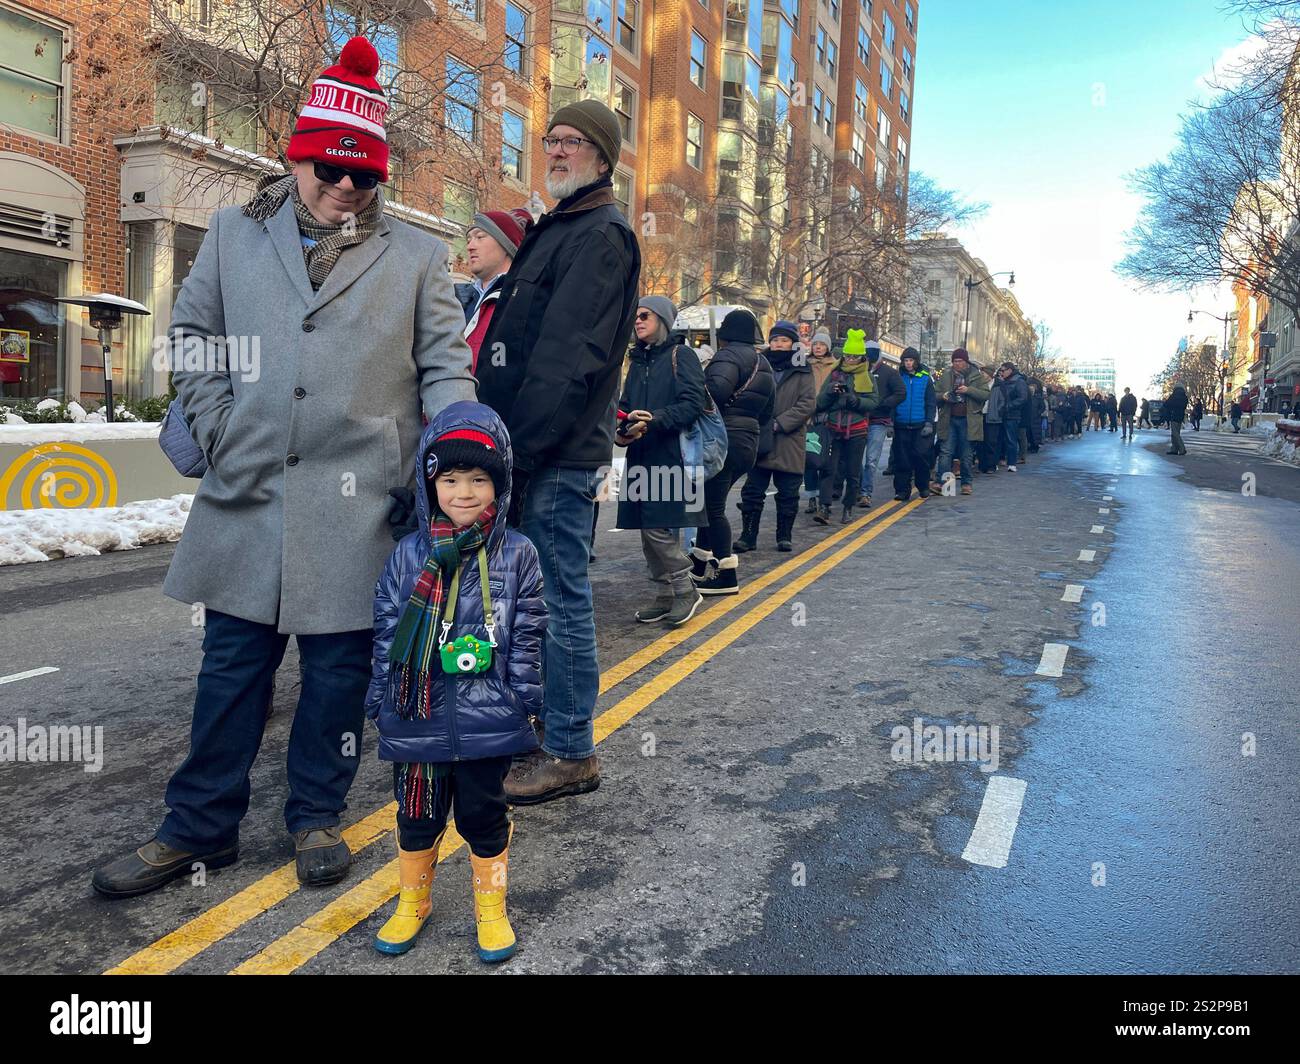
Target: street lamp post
point(972, 284)
point(1225, 364)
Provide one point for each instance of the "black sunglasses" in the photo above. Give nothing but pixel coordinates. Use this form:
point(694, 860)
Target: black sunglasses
point(362, 180)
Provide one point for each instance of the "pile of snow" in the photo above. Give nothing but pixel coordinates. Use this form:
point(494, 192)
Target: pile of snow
point(1280, 446)
point(25, 435)
point(39, 535)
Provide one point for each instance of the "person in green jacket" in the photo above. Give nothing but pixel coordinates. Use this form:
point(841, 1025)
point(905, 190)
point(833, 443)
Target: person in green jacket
point(962, 391)
point(847, 397)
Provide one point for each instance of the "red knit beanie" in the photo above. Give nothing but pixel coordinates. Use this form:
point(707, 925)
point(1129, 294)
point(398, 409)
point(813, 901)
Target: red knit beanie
point(343, 120)
point(507, 228)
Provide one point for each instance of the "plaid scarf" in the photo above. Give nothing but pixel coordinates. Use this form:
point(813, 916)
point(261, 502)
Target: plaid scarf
point(414, 651)
point(331, 240)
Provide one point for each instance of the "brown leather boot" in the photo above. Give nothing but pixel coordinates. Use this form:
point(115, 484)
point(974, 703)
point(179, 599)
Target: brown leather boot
point(543, 778)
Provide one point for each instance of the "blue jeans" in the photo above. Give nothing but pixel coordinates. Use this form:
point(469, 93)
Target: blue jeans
point(958, 443)
point(876, 436)
point(208, 794)
point(557, 518)
point(1011, 440)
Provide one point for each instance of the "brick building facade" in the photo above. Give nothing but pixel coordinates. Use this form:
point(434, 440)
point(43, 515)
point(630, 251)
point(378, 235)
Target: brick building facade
point(122, 127)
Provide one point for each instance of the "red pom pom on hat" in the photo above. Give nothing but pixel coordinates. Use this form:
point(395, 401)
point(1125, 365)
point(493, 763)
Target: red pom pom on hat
point(360, 58)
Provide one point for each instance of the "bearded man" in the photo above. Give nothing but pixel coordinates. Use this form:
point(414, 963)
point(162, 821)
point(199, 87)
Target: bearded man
point(550, 365)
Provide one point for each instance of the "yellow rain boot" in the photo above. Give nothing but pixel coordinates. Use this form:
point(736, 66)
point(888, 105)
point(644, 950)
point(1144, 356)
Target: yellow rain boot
point(496, 938)
point(416, 869)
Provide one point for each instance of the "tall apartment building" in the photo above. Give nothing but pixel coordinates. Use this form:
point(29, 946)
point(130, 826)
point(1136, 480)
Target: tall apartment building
point(1095, 374)
point(124, 124)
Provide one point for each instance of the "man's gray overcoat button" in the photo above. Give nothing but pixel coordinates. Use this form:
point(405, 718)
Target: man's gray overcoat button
point(291, 460)
point(308, 326)
point(298, 393)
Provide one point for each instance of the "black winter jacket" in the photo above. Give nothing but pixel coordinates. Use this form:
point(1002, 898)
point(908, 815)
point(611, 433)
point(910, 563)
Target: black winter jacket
point(889, 392)
point(1016, 390)
point(1128, 404)
point(654, 493)
point(744, 408)
point(563, 322)
point(1175, 407)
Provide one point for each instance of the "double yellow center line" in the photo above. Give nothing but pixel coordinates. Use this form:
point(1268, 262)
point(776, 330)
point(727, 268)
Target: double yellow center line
point(318, 931)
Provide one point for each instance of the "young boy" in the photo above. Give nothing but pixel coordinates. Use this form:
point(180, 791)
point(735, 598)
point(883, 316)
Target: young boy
point(459, 623)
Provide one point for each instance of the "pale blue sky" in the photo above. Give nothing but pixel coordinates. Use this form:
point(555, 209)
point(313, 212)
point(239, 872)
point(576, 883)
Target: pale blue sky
point(1041, 109)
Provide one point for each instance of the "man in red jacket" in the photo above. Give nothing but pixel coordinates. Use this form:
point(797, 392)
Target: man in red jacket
point(490, 246)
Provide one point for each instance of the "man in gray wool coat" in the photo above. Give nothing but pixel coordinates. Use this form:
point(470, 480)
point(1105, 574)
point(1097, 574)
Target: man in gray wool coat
point(356, 329)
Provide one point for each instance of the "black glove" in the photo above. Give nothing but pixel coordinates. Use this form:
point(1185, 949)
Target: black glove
point(927, 429)
point(401, 512)
point(518, 492)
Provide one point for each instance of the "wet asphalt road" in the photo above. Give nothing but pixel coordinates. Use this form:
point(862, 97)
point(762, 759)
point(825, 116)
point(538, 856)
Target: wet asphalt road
point(751, 816)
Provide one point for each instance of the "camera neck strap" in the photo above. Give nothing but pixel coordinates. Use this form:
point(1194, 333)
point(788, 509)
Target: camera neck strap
point(449, 615)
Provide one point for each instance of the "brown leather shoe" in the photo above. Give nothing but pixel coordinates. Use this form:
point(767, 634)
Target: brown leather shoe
point(543, 778)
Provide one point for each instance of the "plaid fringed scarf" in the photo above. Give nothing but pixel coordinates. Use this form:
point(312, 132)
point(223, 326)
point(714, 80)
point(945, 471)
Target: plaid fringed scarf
point(414, 650)
point(331, 240)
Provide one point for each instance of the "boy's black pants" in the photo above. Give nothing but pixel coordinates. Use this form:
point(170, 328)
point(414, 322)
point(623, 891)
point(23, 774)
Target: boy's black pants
point(477, 791)
point(911, 460)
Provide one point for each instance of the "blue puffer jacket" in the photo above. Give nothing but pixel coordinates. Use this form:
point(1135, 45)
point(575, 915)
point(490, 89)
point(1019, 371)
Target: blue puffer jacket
point(918, 406)
point(477, 716)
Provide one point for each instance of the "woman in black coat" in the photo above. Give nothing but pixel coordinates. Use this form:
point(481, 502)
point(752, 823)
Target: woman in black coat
point(663, 394)
point(742, 386)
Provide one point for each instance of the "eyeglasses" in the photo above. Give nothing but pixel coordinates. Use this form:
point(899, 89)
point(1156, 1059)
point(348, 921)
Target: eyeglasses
point(362, 180)
point(571, 144)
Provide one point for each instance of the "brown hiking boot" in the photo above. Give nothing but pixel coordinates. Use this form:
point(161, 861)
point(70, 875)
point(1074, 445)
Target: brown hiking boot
point(543, 778)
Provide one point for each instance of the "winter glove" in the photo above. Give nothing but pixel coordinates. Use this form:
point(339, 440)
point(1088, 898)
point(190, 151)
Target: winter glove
point(927, 429)
point(401, 513)
point(518, 492)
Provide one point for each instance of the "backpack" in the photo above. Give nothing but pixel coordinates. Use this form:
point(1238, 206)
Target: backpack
point(177, 443)
point(704, 443)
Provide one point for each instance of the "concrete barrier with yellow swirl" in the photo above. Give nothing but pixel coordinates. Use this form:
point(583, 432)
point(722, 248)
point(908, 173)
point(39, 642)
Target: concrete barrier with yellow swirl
point(60, 475)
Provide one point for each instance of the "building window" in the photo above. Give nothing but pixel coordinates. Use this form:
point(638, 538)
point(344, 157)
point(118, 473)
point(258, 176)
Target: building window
point(625, 108)
point(859, 99)
point(462, 100)
point(32, 87)
point(189, 106)
point(472, 10)
point(887, 25)
point(737, 21)
point(821, 45)
point(699, 49)
point(694, 141)
point(835, 10)
point(580, 65)
point(513, 139)
point(623, 193)
point(516, 54)
point(907, 64)
point(831, 54)
point(882, 126)
point(855, 199)
point(819, 103)
point(458, 206)
point(934, 288)
point(904, 105)
point(830, 118)
point(791, 9)
point(690, 289)
point(886, 79)
point(859, 150)
point(902, 155)
point(691, 211)
point(864, 44)
point(31, 324)
point(740, 89)
point(882, 174)
point(601, 12)
point(909, 15)
point(628, 11)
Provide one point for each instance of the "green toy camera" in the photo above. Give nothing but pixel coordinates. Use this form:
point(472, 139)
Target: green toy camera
point(466, 656)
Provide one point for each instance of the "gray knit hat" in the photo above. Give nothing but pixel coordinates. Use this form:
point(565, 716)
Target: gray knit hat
point(595, 121)
point(661, 306)
point(822, 336)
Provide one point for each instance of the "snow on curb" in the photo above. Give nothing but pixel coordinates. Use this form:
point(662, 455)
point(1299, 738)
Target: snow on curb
point(1279, 446)
point(39, 535)
point(86, 432)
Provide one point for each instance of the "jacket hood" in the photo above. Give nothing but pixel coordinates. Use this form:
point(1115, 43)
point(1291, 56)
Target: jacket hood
point(464, 415)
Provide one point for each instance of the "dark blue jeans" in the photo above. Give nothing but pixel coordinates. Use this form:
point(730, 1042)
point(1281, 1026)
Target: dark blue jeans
point(1011, 440)
point(557, 518)
point(208, 794)
point(957, 443)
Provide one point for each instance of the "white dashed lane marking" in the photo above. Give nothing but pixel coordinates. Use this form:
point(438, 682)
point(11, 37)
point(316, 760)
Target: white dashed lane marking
point(28, 674)
point(1104, 510)
point(1052, 663)
point(1098, 528)
point(1087, 555)
point(1108, 498)
point(990, 842)
point(1073, 593)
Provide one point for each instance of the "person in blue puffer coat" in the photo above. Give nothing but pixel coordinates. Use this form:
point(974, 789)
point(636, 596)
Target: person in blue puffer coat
point(457, 669)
